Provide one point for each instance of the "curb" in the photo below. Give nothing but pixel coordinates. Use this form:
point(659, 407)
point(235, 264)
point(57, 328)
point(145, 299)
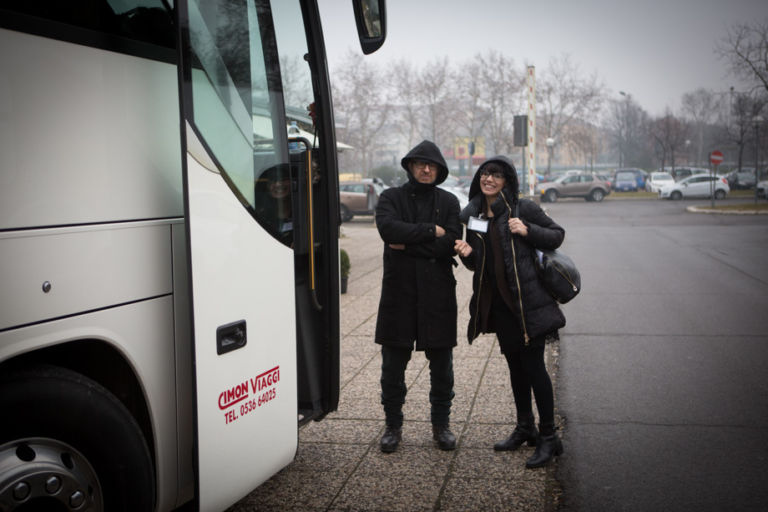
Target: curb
point(702, 209)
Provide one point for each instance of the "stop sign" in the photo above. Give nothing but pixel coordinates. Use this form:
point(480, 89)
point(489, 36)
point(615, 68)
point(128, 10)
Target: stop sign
point(716, 157)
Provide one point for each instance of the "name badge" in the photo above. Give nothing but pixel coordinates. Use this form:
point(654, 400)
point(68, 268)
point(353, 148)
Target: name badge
point(476, 224)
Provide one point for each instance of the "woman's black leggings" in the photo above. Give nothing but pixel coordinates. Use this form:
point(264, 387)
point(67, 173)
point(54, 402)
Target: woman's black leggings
point(527, 371)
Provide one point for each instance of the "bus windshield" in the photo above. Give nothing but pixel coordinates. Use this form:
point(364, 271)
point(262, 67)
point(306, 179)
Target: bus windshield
point(237, 108)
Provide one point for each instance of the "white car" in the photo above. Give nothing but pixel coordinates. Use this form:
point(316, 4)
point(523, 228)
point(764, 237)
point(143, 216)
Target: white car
point(658, 179)
point(452, 185)
point(698, 185)
point(458, 192)
point(762, 189)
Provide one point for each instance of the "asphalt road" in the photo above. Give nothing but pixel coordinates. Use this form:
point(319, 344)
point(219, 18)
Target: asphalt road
point(662, 383)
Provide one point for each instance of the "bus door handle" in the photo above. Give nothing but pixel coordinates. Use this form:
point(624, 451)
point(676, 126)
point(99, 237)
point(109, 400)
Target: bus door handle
point(231, 337)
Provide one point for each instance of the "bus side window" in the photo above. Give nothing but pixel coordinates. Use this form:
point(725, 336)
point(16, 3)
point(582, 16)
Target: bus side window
point(148, 21)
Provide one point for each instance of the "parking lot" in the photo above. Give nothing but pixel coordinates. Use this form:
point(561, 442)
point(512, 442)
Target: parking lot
point(667, 290)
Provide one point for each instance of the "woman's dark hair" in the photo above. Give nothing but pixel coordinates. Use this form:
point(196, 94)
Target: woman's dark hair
point(494, 167)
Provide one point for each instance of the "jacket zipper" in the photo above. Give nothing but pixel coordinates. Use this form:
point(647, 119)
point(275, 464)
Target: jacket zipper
point(517, 278)
point(479, 288)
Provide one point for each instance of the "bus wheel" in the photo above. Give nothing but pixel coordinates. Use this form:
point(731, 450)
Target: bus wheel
point(69, 444)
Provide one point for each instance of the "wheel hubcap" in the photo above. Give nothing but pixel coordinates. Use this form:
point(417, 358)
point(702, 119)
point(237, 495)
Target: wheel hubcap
point(42, 473)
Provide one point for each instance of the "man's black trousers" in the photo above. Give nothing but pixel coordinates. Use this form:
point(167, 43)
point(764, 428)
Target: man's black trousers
point(393, 388)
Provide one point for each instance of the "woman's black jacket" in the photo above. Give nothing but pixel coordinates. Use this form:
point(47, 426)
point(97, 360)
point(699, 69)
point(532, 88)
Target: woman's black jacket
point(418, 292)
point(535, 311)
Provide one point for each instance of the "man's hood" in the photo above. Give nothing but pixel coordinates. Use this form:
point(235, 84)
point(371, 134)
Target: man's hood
point(511, 186)
point(427, 151)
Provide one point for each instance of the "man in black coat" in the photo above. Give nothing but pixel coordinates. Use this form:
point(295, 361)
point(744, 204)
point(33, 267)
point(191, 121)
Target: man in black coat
point(419, 224)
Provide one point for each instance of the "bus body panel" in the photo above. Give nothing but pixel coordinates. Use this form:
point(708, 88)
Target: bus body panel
point(143, 334)
point(246, 409)
point(185, 400)
point(68, 271)
point(146, 261)
point(86, 135)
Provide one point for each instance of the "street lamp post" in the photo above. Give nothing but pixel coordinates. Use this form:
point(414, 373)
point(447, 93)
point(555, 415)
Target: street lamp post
point(550, 145)
point(625, 126)
point(757, 154)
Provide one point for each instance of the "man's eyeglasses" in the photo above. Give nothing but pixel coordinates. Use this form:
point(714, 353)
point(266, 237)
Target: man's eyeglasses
point(497, 175)
point(420, 166)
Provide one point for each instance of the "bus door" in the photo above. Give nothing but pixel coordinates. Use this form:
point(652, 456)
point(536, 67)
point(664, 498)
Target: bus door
point(312, 143)
point(237, 169)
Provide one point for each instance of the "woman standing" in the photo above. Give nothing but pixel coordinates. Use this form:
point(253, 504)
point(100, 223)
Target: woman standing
point(503, 233)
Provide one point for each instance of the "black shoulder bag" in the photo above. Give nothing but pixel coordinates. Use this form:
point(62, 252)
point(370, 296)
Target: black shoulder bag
point(557, 272)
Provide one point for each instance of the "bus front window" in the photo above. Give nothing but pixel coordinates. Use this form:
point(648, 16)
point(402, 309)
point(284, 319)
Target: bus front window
point(237, 105)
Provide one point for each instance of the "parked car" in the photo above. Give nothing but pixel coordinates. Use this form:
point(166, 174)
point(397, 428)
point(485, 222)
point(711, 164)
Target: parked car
point(658, 179)
point(454, 186)
point(625, 181)
point(583, 185)
point(680, 173)
point(358, 198)
point(639, 175)
point(742, 179)
point(607, 178)
point(762, 186)
point(699, 185)
point(521, 179)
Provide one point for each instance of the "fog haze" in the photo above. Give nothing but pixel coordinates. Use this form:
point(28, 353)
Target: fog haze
point(653, 50)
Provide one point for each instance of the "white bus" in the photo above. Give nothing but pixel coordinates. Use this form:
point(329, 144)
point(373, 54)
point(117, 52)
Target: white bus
point(169, 310)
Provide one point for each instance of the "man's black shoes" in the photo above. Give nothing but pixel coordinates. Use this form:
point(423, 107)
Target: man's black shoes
point(444, 437)
point(391, 439)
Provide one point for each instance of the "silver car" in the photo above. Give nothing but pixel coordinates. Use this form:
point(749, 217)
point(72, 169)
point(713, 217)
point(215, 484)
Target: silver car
point(585, 185)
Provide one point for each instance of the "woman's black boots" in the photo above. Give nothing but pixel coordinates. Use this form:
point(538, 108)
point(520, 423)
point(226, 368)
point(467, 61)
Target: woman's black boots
point(525, 431)
point(548, 446)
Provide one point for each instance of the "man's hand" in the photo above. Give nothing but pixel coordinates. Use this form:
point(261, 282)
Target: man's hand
point(462, 248)
point(397, 247)
point(439, 231)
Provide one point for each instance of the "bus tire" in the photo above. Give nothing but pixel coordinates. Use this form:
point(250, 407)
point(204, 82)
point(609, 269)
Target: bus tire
point(81, 433)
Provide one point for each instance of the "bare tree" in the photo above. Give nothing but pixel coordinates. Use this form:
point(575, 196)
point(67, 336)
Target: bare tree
point(296, 77)
point(564, 96)
point(502, 96)
point(627, 124)
point(437, 95)
point(670, 134)
point(701, 107)
point(746, 50)
point(471, 114)
point(745, 107)
point(360, 108)
point(403, 79)
point(587, 140)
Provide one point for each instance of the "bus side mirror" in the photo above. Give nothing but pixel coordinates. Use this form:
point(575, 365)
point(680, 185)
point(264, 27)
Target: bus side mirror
point(371, 20)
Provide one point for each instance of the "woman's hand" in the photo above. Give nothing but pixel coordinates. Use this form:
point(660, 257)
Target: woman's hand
point(517, 226)
point(462, 248)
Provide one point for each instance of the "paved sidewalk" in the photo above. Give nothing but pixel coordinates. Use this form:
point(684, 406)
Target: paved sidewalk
point(339, 465)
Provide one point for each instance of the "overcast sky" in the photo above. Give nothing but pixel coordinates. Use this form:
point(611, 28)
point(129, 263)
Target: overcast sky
point(655, 50)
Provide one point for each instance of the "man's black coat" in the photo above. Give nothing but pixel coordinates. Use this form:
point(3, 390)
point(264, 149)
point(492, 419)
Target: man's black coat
point(418, 292)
